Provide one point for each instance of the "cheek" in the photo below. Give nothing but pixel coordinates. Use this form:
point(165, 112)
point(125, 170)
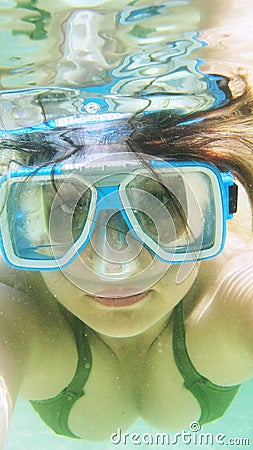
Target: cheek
point(177, 282)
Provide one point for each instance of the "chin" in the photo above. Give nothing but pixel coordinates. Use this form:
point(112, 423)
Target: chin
point(118, 322)
point(123, 331)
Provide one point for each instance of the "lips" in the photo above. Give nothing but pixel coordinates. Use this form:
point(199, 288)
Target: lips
point(114, 299)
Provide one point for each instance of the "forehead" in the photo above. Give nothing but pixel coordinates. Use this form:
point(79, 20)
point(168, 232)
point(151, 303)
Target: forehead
point(108, 139)
point(99, 139)
point(103, 152)
point(128, 135)
point(114, 159)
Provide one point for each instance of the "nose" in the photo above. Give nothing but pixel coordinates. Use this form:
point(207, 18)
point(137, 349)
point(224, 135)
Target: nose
point(113, 259)
point(115, 252)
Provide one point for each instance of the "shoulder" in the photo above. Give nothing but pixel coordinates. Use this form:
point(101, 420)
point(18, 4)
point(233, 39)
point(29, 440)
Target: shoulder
point(34, 327)
point(219, 324)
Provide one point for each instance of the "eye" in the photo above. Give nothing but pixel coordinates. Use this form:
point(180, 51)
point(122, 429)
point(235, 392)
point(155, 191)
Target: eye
point(157, 209)
point(67, 209)
point(81, 210)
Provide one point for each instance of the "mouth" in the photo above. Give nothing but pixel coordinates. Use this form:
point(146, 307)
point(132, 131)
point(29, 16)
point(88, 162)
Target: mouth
point(114, 299)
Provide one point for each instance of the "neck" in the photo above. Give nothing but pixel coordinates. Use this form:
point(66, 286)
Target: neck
point(136, 344)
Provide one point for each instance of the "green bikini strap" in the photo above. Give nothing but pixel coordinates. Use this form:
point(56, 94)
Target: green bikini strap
point(84, 359)
point(183, 362)
point(55, 411)
point(213, 399)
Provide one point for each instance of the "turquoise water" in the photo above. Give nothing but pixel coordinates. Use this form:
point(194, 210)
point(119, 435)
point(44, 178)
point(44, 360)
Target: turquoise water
point(74, 59)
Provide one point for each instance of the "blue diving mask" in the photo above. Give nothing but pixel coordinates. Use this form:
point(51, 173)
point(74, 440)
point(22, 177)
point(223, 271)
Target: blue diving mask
point(175, 210)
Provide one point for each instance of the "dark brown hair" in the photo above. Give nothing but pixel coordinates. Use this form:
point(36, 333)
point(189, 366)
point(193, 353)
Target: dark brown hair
point(223, 136)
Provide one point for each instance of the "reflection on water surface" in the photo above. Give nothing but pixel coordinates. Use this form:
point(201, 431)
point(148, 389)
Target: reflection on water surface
point(160, 55)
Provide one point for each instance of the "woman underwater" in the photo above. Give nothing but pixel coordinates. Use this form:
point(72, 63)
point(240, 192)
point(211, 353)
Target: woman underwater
point(140, 303)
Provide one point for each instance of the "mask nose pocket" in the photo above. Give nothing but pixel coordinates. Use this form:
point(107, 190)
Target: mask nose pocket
point(115, 251)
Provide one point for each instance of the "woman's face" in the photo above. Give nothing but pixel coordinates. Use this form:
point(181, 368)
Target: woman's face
point(116, 285)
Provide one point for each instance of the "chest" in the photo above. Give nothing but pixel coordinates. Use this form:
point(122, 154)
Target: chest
point(120, 389)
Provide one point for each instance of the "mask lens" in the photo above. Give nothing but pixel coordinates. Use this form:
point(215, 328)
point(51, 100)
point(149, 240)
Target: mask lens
point(67, 205)
point(46, 217)
point(157, 210)
point(175, 210)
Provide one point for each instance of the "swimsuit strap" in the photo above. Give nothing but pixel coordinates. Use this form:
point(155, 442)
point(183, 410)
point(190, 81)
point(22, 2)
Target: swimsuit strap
point(213, 399)
point(55, 411)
